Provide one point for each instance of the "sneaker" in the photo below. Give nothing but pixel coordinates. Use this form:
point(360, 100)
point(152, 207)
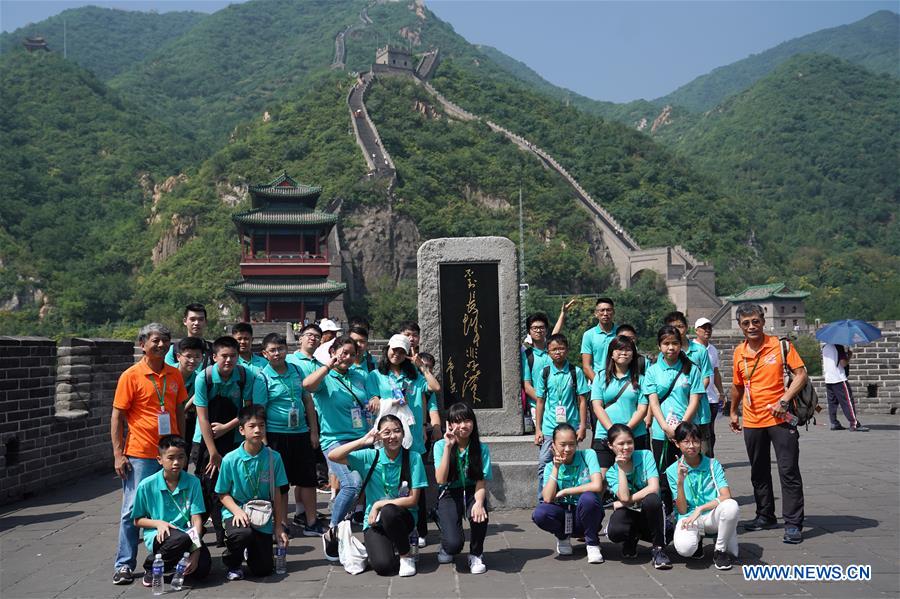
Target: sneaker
point(476, 564)
point(563, 546)
point(235, 574)
point(837, 427)
point(330, 545)
point(313, 530)
point(859, 429)
point(123, 575)
point(759, 523)
point(147, 579)
point(422, 543)
point(629, 549)
point(661, 561)
point(444, 557)
point(595, 556)
point(722, 560)
point(407, 566)
point(699, 553)
point(357, 517)
point(792, 535)
point(300, 518)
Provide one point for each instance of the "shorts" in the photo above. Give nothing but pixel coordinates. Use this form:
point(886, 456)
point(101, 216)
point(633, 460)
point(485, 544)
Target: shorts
point(298, 457)
point(605, 455)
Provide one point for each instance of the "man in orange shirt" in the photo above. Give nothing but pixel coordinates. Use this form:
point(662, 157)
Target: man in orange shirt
point(150, 400)
point(758, 388)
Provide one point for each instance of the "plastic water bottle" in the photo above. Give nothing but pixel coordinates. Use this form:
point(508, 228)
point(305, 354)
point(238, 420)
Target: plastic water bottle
point(157, 572)
point(178, 578)
point(404, 489)
point(280, 559)
point(414, 545)
point(399, 395)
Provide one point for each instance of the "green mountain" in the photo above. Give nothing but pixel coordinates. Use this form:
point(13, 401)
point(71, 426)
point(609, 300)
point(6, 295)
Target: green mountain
point(105, 41)
point(870, 43)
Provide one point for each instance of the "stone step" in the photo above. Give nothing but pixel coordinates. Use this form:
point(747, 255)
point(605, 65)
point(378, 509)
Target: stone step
point(519, 448)
point(514, 485)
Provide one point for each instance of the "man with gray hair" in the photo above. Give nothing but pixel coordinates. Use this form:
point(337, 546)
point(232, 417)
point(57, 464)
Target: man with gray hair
point(150, 400)
point(758, 390)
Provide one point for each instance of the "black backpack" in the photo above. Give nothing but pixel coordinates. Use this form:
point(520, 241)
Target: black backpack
point(546, 376)
point(242, 381)
point(805, 404)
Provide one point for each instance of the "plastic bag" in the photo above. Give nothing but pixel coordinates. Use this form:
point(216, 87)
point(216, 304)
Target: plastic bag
point(351, 551)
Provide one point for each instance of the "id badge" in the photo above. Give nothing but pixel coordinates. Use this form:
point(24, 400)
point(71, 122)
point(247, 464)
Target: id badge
point(293, 418)
point(560, 414)
point(164, 423)
point(672, 420)
point(356, 417)
point(195, 540)
point(570, 521)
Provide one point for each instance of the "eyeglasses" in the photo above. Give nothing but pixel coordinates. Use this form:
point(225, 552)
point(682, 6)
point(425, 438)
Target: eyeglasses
point(311, 336)
point(538, 328)
point(751, 321)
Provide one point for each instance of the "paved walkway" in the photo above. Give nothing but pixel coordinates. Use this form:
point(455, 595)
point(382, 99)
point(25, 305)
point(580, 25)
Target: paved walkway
point(61, 544)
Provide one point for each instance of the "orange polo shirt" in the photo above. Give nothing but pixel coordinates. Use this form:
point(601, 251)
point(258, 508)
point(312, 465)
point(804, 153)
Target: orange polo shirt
point(137, 396)
point(761, 374)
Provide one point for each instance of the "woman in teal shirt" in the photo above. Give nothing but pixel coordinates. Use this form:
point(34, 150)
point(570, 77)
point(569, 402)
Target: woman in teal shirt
point(393, 479)
point(616, 398)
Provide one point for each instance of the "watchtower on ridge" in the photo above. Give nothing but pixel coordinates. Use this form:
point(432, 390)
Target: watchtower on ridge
point(395, 58)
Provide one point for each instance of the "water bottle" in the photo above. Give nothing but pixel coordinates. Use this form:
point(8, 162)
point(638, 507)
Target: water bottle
point(280, 559)
point(404, 489)
point(157, 572)
point(178, 578)
point(414, 545)
point(790, 419)
point(398, 395)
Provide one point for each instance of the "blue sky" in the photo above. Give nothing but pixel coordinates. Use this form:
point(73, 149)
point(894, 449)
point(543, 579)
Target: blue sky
point(608, 50)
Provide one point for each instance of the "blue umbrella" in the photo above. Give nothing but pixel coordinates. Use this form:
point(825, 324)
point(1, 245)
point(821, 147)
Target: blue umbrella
point(848, 332)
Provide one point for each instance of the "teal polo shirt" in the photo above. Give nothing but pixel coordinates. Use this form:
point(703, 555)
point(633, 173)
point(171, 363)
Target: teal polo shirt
point(364, 365)
point(624, 408)
point(284, 391)
point(383, 386)
point(658, 378)
point(643, 468)
point(254, 392)
point(336, 396)
point(385, 481)
point(584, 465)
point(701, 484)
point(153, 500)
point(540, 358)
point(189, 382)
point(699, 355)
point(256, 361)
point(595, 342)
point(246, 477)
point(462, 457)
point(307, 364)
point(559, 391)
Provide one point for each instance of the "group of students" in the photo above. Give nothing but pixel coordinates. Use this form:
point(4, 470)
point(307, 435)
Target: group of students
point(253, 426)
point(651, 460)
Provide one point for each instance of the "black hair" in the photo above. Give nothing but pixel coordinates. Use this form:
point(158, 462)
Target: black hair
point(273, 339)
point(407, 368)
point(675, 316)
point(225, 341)
point(410, 325)
point(241, 327)
point(562, 426)
point(685, 430)
point(248, 412)
point(312, 326)
point(537, 317)
point(199, 308)
point(341, 342)
point(428, 358)
point(186, 343)
point(605, 300)
point(558, 338)
point(622, 342)
point(626, 327)
point(359, 321)
point(670, 331)
point(169, 441)
point(389, 418)
point(358, 329)
point(617, 430)
point(457, 413)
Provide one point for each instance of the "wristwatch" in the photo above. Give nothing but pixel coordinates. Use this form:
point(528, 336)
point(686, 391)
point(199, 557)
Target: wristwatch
point(784, 404)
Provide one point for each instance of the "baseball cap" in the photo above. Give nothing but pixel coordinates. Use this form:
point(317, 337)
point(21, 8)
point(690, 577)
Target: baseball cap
point(326, 324)
point(702, 321)
point(399, 342)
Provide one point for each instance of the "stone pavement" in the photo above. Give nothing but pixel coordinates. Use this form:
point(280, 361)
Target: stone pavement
point(61, 544)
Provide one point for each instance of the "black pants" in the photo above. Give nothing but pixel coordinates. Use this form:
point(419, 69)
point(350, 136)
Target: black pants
point(200, 458)
point(665, 453)
point(258, 546)
point(190, 425)
point(173, 549)
point(606, 457)
point(389, 535)
point(839, 394)
point(713, 413)
point(786, 441)
point(649, 524)
point(450, 509)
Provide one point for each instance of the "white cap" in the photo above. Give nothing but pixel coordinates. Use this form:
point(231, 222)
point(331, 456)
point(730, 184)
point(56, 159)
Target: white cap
point(399, 342)
point(701, 321)
point(326, 324)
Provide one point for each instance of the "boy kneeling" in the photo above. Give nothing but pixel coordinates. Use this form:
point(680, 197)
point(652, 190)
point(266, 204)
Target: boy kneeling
point(167, 506)
point(251, 473)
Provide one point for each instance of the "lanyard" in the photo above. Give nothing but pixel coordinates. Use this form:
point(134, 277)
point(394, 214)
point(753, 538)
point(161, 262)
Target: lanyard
point(349, 388)
point(568, 481)
point(249, 478)
point(750, 376)
point(290, 386)
point(183, 513)
point(160, 395)
point(462, 464)
point(384, 482)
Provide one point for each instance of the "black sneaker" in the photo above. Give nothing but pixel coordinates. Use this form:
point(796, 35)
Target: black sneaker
point(629, 549)
point(300, 519)
point(837, 427)
point(357, 517)
point(123, 575)
point(759, 523)
point(313, 530)
point(147, 580)
point(330, 545)
point(792, 535)
point(859, 429)
point(722, 560)
point(661, 561)
point(699, 553)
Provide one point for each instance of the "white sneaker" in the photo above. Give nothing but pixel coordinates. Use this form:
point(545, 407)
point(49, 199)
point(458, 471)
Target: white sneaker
point(444, 557)
point(407, 566)
point(564, 546)
point(476, 564)
point(422, 543)
point(594, 554)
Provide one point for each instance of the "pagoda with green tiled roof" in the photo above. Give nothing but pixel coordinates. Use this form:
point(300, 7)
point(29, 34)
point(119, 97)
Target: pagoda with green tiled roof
point(286, 260)
point(782, 306)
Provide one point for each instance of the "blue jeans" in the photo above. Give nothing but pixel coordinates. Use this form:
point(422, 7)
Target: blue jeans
point(350, 483)
point(545, 456)
point(129, 534)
